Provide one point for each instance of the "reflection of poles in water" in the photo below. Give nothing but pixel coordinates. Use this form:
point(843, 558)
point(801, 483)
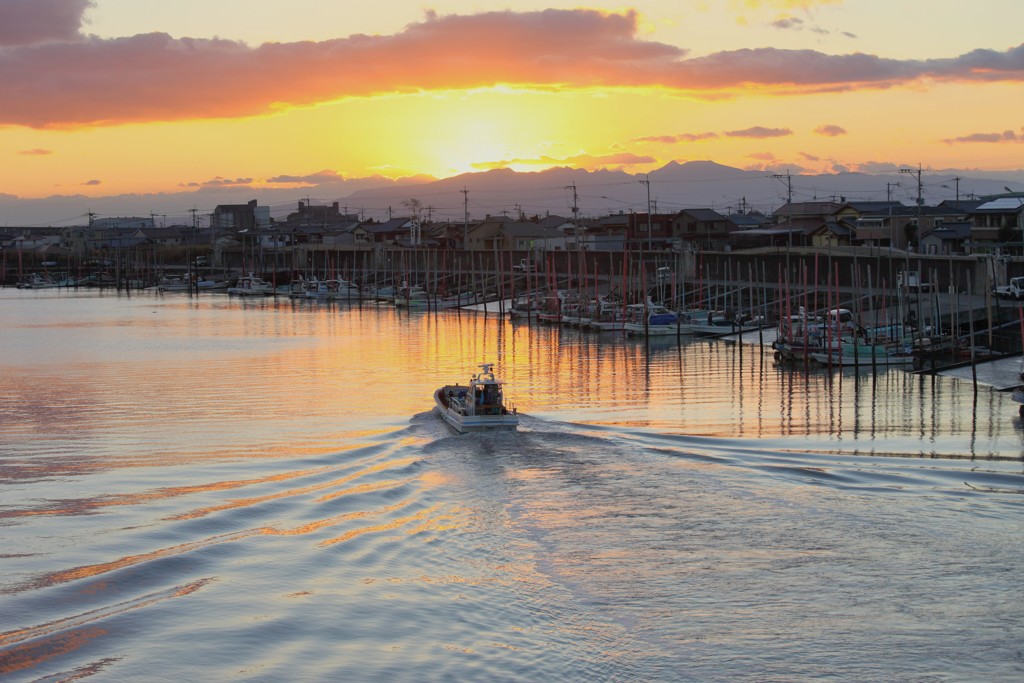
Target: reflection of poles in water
point(970, 321)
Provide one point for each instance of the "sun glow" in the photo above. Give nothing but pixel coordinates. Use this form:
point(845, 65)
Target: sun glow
point(459, 131)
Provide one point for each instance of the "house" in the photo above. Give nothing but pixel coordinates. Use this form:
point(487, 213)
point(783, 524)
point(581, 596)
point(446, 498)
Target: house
point(501, 233)
point(164, 237)
point(894, 225)
point(240, 216)
point(650, 230)
point(324, 216)
point(801, 220)
point(607, 233)
point(946, 238)
point(529, 236)
point(559, 223)
point(35, 241)
point(388, 232)
point(749, 221)
point(704, 228)
point(997, 222)
point(341, 234)
point(122, 223)
point(834, 233)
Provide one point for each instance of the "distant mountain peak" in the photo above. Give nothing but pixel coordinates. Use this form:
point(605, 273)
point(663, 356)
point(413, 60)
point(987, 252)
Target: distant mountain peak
point(701, 169)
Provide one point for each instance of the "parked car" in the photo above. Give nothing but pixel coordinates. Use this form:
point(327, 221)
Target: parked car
point(525, 266)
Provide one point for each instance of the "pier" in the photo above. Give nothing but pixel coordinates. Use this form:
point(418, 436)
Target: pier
point(942, 296)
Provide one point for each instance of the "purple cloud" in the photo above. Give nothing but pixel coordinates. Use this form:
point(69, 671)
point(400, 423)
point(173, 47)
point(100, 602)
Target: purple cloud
point(830, 131)
point(759, 132)
point(27, 22)
point(1005, 136)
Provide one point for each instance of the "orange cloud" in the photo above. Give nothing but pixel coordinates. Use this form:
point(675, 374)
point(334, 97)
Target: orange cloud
point(36, 152)
point(617, 160)
point(682, 137)
point(785, 4)
point(222, 182)
point(64, 79)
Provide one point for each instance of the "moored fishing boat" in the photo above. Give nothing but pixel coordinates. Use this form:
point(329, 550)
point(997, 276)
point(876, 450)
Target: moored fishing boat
point(331, 290)
point(859, 354)
point(173, 283)
point(608, 315)
point(550, 310)
point(456, 300)
point(251, 285)
point(526, 305)
point(476, 407)
point(650, 319)
point(41, 281)
point(575, 312)
point(412, 296)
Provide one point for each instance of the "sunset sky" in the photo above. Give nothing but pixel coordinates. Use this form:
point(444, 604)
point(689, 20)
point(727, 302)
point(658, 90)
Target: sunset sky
point(107, 97)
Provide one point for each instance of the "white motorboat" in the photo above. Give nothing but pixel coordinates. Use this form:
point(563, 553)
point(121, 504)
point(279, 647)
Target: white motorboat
point(477, 407)
point(173, 283)
point(608, 315)
point(330, 290)
point(205, 284)
point(412, 296)
point(179, 283)
point(526, 306)
point(250, 285)
point(650, 319)
point(866, 355)
point(42, 281)
point(550, 310)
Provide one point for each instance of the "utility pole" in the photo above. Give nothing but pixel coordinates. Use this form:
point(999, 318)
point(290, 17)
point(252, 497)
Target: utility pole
point(465, 218)
point(911, 171)
point(575, 213)
point(789, 185)
point(888, 200)
point(647, 182)
point(574, 208)
point(789, 202)
point(193, 276)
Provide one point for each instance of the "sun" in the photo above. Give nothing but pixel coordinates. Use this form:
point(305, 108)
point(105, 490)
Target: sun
point(466, 131)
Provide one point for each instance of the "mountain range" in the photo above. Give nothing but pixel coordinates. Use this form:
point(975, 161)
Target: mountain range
point(555, 191)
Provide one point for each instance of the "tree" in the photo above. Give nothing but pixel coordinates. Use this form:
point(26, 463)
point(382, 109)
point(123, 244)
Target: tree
point(416, 206)
point(910, 232)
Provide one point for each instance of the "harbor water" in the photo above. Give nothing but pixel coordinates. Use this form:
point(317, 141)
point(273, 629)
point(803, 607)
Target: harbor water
point(210, 488)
